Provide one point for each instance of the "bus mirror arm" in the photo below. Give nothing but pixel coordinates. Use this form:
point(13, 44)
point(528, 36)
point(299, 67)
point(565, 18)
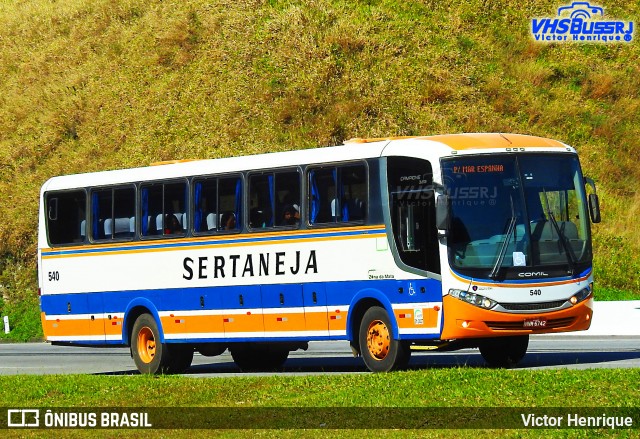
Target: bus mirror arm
point(594, 202)
point(442, 212)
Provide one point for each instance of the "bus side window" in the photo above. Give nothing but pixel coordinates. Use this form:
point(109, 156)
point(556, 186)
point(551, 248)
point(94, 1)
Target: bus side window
point(163, 209)
point(205, 207)
point(261, 201)
point(217, 204)
point(412, 212)
point(230, 204)
point(66, 217)
point(113, 213)
point(274, 200)
point(338, 194)
point(287, 199)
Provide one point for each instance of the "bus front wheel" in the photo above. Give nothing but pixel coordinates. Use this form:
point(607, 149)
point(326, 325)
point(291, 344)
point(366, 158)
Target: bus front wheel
point(380, 351)
point(504, 351)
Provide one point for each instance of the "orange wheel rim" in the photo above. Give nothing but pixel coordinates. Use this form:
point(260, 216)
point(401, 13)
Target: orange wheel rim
point(146, 345)
point(378, 340)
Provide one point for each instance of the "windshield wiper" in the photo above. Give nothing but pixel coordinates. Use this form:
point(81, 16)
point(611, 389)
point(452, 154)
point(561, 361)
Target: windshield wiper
point(505, 243)
point(571, 257)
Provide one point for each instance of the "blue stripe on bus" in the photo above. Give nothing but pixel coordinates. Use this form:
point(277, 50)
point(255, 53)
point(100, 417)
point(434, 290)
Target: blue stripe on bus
point(336, 294)
point(185, 299)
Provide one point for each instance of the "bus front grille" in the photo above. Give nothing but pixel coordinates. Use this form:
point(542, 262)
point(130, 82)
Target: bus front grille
point(532, 306)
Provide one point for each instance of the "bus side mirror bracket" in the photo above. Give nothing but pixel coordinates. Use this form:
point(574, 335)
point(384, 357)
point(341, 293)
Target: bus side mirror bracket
point(594, 202)
point(442, 212)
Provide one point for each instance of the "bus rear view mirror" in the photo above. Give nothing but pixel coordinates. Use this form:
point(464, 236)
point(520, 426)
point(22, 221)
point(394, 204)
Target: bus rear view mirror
point(594, 208)
point(594, 203)
point(442, 212)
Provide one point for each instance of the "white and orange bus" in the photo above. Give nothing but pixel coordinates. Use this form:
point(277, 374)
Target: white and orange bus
point(444, 242)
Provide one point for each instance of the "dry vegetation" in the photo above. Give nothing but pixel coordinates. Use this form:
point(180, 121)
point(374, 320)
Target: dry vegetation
point(121, 83)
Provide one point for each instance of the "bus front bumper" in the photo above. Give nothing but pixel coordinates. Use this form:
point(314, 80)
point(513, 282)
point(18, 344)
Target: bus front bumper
point(463, 320)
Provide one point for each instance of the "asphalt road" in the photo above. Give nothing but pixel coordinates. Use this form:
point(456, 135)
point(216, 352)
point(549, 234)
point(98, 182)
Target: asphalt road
point(545, 352)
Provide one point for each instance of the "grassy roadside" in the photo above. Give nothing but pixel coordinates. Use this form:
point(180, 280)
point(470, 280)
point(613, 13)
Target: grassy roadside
point(461, 387)
point(609, 294)
point(433, 387)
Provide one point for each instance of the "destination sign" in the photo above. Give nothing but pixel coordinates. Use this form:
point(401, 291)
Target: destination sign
point(472, 169)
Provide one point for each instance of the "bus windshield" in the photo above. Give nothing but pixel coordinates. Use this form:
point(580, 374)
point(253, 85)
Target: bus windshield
point(514, 213)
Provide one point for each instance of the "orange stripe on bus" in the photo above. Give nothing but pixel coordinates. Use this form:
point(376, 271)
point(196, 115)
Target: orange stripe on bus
point(260, 240)
point(316, 321)
point(78, 327)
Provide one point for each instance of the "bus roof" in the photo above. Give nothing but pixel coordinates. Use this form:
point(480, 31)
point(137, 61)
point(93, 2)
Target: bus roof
point(479, 141)
point(354, 149)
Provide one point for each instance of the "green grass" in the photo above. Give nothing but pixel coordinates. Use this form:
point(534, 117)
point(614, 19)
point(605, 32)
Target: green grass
point(463, 387)
point(109, 84)
point(609, 294)
point(432, 387)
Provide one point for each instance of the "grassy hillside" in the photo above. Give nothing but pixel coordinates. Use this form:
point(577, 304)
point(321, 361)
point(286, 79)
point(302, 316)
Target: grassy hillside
point(121, 83)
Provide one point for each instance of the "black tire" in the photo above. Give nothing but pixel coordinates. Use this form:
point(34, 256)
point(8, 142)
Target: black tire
point(180, 357)
point(256, 357)
point(150, 356)
point(153, 357)
point(504, 352)
point(379, 348)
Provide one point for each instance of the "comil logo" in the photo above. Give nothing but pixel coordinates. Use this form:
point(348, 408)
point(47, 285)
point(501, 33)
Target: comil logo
point(581, 22)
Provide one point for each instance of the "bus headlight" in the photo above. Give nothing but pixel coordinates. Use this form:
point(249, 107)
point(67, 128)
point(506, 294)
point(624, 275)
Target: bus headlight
point(473, 298)
point(581, 295)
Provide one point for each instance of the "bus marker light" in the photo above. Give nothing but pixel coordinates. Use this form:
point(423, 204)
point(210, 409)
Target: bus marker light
point(573, 300)
point(436, 308)
point(465, 324)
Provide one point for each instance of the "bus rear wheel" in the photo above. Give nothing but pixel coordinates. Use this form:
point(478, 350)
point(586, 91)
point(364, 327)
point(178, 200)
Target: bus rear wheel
point(153, 357)
point(380, 351)
point(504, 352)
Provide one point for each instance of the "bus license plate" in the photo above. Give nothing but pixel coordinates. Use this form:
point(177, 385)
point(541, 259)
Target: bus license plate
point(535, 323)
